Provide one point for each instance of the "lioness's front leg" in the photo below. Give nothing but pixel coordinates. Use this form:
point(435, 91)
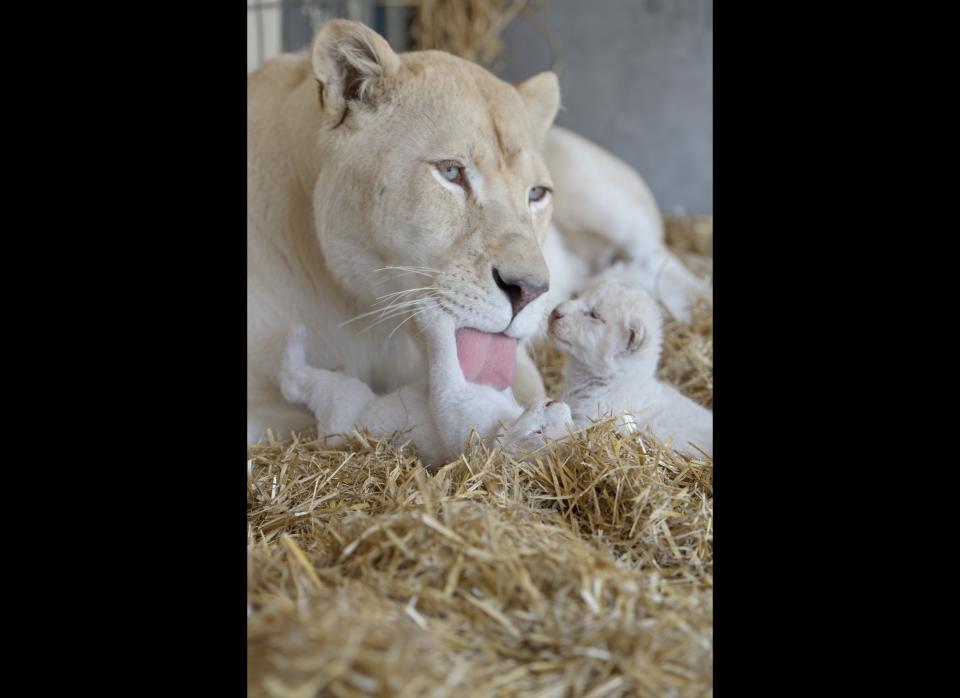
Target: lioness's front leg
point(665, 277)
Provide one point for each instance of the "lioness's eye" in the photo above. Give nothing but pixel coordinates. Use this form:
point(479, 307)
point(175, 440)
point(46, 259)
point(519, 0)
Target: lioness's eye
point(453, 171)
point(537, 193)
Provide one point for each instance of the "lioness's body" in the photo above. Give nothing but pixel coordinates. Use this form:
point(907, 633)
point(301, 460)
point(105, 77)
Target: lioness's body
point(327, 207)
point(287, 279)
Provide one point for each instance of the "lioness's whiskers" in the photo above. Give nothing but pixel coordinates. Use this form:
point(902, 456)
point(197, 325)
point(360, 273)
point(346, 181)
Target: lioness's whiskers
point(429, 301)
point(424, 271)
point(410, 269)
point(395, 314)
point(399, 294)
point(396, 306)
point(413, 315)
point(401, 309)
point(426, 304)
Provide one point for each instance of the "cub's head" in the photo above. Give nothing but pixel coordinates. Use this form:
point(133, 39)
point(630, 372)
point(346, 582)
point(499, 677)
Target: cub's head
point(432, 189)
point(610, 329)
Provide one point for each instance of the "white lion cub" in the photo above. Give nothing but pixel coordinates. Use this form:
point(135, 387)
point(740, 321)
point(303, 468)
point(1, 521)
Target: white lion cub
point(612, 335)
point(436, 414)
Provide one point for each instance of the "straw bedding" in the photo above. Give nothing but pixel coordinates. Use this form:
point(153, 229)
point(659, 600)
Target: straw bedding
point(587, 572)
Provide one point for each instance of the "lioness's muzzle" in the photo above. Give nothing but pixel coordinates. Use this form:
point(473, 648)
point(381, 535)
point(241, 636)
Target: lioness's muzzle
point(521, 290)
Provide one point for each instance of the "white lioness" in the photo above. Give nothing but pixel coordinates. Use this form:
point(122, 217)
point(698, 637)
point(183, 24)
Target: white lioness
point(435, 414)
point(611, 333)
point(379, 184)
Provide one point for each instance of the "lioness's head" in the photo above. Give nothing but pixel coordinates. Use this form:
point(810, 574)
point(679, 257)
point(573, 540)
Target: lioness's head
point(430, 163)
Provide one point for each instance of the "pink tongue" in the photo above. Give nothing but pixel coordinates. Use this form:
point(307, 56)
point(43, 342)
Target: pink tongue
point(490, 359)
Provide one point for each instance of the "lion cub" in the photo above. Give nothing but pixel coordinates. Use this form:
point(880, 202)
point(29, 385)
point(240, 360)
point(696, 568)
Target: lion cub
point(612, 336)
point(436, 414)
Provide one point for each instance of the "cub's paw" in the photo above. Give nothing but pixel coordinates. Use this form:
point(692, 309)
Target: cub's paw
point(627, 424)
point(557, 419)
point(544, 420)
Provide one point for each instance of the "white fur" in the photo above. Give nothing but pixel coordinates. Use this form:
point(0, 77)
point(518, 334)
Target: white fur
point(344, 208)
point(612, 364)
point(607, 213)
point(436, 414)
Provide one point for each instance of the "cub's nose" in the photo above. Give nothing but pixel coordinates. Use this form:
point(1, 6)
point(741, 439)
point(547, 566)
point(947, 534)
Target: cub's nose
point(520, 290)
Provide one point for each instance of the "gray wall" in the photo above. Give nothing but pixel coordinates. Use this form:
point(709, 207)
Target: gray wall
point(637, 77)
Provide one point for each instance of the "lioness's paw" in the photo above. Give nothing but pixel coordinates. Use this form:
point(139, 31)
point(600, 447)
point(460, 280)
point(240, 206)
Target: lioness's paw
point(678, 289)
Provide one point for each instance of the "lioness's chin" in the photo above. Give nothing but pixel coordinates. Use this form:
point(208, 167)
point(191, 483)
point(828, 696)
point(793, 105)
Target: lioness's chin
point(520, 336)
point(483, 322)
point(524, 327)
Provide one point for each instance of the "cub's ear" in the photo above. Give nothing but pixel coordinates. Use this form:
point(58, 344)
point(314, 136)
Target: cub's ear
point(541, 95)
point(347, 56)
point(635, 336)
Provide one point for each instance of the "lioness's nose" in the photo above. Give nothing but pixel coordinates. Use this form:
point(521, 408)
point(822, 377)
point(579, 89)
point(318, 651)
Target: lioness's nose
point(520, 290)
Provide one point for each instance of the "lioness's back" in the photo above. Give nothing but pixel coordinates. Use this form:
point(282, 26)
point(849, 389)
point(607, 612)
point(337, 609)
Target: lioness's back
point(285, 71)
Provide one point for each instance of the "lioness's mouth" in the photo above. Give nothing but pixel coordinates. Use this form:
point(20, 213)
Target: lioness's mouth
point(487, 358)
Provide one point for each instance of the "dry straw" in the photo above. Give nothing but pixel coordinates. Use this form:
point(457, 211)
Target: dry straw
point(585, 572)
point(472, 29)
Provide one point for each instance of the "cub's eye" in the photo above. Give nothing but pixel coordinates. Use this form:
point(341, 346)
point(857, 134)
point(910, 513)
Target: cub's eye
point(593, 314)
point(537, 194)
point(453, 171)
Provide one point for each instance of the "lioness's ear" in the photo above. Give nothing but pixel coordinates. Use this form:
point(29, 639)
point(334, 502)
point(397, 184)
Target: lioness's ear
point(346, 57)
point(541, 95)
